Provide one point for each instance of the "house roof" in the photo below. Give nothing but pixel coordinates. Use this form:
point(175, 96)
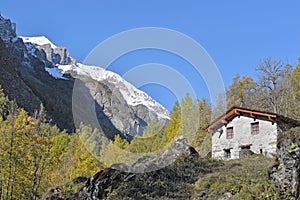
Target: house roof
point(238, 111)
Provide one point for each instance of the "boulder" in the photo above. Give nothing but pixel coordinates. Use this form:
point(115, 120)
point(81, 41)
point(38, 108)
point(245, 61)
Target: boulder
point(286, 170)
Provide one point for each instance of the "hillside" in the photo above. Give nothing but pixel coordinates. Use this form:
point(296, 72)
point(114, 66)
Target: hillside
point(193, 177)
point(190, 177)
point(13, 84)
point(114, 141)
point(36, 71)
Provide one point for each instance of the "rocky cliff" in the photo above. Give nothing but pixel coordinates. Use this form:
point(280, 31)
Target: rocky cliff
point(12, 83)
point(286, 171)
point(48, 73)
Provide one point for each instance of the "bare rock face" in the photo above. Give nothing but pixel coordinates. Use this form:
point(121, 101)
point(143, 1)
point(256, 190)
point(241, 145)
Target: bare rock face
point(57, 55)
point(13, 85)
point(179, 148)
point(8, 29)
point(121, 108)
point(14, 44)
point(163, 182)
point(113, 104)
point(286, 172)
point(170, 182)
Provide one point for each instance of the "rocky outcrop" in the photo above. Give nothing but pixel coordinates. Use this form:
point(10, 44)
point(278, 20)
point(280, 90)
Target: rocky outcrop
point(7, 29)
point(179, 148)
point(113, 105)
point(57, 55)
point(118, 111)
point(173, 181)
point(188, 177)
point(12, 83)
point(14, 44)
point(286, 171)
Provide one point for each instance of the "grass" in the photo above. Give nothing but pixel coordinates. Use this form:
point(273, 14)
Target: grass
point(239, 179)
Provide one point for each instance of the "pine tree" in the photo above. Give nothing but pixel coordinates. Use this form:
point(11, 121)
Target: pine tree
point(172, 129)
point(295, 97)
point(121, 143)
point(6, 106)
point(201, 142)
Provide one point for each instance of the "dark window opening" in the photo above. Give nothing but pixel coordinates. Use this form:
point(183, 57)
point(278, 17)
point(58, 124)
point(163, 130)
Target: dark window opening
point(255, 128)
point(246, 147)
point(261, 151)
point(227, 153)
point(229, 133)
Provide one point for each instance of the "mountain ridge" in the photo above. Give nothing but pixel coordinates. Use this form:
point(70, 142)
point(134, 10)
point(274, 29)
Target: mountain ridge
point(99, 74)
point(50, 72)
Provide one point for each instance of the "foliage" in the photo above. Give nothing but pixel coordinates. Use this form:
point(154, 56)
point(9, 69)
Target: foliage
point(190, 177)
point(202, 141)
point(241, 91)
point(172, 182)
point(6, 107)
point(242, 179)
point(277, 89)
point(293, 148)
point(82, 162)
point(294, 107)
point(35, 155)
point(187, 119)
point(121, 143)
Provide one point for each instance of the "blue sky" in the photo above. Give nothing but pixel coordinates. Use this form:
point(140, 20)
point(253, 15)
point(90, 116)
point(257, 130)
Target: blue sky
point(236, 34)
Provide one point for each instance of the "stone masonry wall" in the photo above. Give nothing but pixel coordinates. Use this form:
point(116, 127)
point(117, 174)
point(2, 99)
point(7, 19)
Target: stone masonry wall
point(264, 142)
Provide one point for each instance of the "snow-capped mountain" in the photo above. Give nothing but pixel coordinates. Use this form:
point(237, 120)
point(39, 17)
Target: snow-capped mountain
point(131, 94)
point(50, 72)
point(39, 40)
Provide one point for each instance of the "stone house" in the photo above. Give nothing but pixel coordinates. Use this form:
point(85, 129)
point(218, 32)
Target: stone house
point(241, 132)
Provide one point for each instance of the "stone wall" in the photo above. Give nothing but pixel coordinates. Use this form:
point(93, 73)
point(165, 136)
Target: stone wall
point(264, 142)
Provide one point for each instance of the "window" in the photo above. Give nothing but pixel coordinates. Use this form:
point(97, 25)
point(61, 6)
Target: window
point(227, 153)
point(255, 128)
point(229, 133)
point(246, 146)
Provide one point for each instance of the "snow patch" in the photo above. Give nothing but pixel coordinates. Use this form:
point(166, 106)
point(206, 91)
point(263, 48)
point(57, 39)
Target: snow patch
point(15, 39)
point(131, 94)
point(40, 40)
point(56, 73)
point(66, 68)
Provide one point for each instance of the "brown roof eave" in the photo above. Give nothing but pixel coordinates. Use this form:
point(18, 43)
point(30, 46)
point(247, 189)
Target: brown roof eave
point(236, 111)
